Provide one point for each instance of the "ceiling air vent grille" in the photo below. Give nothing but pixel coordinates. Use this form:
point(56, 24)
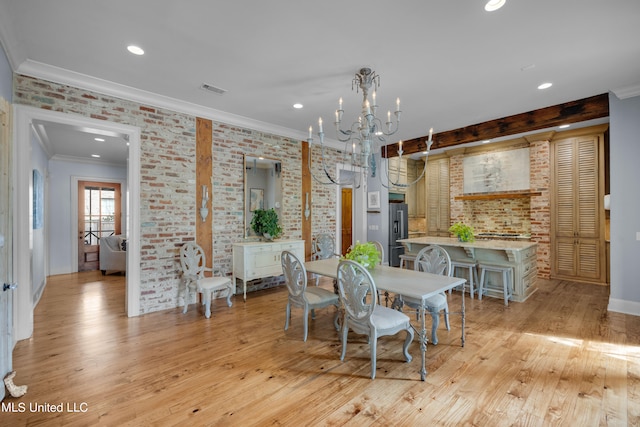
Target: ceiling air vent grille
point(214, 89)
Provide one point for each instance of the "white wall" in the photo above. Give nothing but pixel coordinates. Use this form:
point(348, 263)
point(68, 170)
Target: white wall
point(61, 230)
point(625, 204)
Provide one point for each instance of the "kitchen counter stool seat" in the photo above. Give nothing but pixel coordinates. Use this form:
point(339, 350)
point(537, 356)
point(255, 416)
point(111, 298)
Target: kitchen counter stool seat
point(470, 266)
point(505, 272)
point(404, 258)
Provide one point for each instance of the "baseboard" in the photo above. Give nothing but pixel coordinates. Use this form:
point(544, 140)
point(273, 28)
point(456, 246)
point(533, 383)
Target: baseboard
point(623, 306)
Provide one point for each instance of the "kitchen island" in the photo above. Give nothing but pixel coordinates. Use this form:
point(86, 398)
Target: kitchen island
point(519, 255)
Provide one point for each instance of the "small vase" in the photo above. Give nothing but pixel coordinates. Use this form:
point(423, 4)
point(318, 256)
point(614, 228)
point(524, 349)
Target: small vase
point(268, 237)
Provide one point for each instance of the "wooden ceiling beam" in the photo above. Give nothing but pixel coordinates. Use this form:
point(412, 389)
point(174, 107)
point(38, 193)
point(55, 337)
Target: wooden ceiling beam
point(594, 107)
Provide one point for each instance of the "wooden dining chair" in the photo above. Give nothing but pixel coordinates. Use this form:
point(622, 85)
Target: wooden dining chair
point(295, 277)
point(362, 313)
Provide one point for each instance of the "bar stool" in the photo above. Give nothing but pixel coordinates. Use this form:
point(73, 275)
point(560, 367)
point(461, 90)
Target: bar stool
point(473, 273)
point(507, 279)
point(406, 257)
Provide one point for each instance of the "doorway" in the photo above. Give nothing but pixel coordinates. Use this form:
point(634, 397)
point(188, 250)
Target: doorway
point(347, 219)
point(24, 121)
point(355, 226)
point(99, 215)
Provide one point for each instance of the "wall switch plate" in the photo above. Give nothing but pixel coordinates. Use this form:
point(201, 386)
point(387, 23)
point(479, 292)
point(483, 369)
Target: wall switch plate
point(637, 235)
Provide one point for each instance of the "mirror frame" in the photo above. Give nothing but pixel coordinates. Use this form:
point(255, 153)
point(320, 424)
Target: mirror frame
point(273, 197)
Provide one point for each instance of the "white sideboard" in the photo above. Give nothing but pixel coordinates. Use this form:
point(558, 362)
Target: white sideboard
point(256, 260)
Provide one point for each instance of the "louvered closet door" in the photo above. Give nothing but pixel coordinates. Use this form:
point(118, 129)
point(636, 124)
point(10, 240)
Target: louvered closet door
point(438, 217)
point(577, 243)
point(589, 245)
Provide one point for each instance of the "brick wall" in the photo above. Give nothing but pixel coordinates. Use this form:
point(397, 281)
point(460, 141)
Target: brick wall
point(168, 164)
point(521, 216)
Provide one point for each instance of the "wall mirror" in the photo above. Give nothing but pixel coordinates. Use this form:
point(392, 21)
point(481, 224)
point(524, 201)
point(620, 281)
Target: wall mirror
point(262, 188)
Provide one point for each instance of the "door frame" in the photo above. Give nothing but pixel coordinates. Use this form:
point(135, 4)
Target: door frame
point(359, 218)
point(23, 119)
point(75, 180)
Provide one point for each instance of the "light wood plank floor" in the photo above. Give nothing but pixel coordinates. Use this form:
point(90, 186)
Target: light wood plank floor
point(558, 359)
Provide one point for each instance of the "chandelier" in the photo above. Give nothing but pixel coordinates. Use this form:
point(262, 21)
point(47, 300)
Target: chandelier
point(365, 139)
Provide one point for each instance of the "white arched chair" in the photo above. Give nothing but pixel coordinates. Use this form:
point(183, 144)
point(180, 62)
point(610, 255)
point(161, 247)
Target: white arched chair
point(295, 277)
point(193, 267)
point(431, 259)
point(323, 246)
point(363, 315)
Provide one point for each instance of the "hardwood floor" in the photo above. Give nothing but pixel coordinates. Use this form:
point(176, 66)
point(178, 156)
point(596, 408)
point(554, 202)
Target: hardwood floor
point(557, 359)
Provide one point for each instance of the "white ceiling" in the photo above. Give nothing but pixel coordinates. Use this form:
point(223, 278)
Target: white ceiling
point(451, 63)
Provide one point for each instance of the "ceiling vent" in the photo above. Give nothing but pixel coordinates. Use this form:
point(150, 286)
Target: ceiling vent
point(214, 89)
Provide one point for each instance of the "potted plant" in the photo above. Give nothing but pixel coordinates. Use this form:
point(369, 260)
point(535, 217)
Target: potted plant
point(265, 223)
point(463, 232)
point(364, 253)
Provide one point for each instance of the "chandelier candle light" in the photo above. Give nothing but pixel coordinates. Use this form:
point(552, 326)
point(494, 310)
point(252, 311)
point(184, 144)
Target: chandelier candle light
point(366, 137)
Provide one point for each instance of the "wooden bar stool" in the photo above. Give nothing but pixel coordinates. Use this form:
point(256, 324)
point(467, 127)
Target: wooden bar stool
point(507, 279)
point(406, 257)
point(470, 266)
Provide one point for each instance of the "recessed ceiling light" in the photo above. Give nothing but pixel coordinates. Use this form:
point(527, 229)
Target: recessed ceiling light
point(494, 5)
point(545, 86)
point(99, 139)
point(297, 105)
point(135, 50)
point(97, 156)
point(563, 126)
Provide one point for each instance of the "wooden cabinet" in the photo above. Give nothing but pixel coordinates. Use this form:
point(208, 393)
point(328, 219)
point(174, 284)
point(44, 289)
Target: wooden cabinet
point(577, 210)
point(437, 196)
point(415, 195)
point(256, 260)
point(397, 174)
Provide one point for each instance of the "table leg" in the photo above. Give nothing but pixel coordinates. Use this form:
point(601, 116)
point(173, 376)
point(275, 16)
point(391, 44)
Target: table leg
point(463, 314)
point(423, 344)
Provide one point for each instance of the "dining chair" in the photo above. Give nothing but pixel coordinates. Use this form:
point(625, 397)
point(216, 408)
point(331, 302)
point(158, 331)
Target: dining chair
point(295, 277)
point(431, 259)
point(193, 267)
point(323, 247)
point(380, 249)
point(363, 315)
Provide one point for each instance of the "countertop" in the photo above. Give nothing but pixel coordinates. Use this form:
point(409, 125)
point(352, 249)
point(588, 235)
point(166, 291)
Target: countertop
point(481, 244)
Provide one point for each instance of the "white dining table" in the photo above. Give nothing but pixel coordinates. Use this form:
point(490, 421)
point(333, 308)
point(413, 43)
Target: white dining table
point(409, 283)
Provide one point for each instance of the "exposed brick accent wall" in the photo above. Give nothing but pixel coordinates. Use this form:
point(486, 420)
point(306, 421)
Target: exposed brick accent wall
point(522, 216)
point(540, 169)
point(168, 169)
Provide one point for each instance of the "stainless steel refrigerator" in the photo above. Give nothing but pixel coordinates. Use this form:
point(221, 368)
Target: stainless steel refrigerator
point(398, 229)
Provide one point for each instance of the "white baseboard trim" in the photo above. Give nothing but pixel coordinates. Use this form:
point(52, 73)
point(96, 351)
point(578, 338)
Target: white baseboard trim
point(623, 306)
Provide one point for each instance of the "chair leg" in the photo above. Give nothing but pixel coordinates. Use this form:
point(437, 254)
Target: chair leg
point(305, 321)
point(206, 294)
point(481, 285)
point(186, 297)
point(435, 322)
point(229, 293)
point(345, 332)
point(286, 322)
point(373, 341)
point(446, 318)
point(407, 342)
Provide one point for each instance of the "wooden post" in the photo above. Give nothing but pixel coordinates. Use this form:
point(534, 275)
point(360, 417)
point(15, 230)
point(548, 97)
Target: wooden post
point(306, 195)
point(204, 229)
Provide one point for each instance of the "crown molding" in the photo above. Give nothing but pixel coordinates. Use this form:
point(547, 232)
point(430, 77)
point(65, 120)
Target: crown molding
point(71, 78)
point(627, 91)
